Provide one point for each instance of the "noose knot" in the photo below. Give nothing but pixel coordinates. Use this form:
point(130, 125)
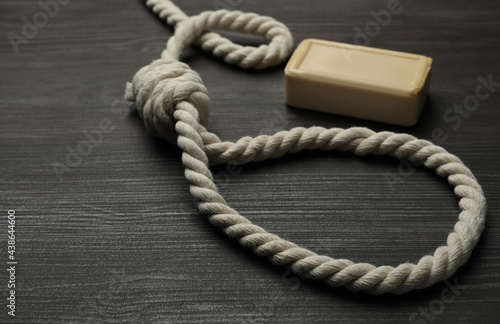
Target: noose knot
point(158, 87)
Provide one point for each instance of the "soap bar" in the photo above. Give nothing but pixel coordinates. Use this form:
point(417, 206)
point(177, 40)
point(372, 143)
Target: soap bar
point(358, 81)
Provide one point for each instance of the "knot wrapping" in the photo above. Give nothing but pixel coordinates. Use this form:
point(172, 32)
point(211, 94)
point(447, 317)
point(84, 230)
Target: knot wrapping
point(158, 87)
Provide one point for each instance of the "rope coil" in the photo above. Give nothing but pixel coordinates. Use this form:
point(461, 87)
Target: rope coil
point(173, 102)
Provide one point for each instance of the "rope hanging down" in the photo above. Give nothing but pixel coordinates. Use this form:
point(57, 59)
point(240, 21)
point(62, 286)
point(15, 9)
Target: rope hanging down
point(173, 102)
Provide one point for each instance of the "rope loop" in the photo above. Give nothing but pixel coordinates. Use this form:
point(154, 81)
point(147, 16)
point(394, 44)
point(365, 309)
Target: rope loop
point(191, 30)
point(173, 102)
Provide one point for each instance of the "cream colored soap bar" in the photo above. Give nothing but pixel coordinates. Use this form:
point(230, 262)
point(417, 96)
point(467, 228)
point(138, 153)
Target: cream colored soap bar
point(358, 81)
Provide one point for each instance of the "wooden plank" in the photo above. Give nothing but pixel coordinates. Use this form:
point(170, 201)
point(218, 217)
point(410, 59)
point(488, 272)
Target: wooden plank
point(116, 238)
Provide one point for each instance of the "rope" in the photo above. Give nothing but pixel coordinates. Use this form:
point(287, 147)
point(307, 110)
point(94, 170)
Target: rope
point(173, 102)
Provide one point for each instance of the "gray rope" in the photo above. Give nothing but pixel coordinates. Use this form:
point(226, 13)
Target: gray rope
point(173, 102)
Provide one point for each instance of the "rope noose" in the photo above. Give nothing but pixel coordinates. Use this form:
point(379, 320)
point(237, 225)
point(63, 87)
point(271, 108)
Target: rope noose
point(173, 102)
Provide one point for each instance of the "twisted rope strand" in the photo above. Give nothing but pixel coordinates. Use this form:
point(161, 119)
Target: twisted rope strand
point(173, 102)
point(197, 32)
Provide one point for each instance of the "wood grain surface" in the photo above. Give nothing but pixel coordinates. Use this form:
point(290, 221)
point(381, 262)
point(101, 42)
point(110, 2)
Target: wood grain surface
point(111, 235)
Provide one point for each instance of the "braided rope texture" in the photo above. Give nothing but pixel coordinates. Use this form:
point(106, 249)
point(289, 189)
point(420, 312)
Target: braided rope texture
point(173, 102)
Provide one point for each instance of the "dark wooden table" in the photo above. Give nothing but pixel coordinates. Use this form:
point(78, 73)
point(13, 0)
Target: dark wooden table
point(111, 235)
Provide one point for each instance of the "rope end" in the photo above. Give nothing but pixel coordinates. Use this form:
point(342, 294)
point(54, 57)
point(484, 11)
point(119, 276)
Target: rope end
point(129, 93)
